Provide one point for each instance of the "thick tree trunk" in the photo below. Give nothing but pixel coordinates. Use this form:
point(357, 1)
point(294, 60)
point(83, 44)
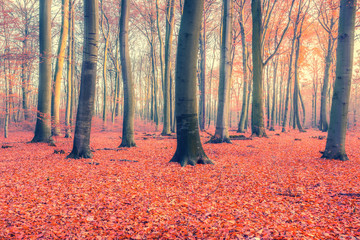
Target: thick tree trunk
point(43, 122)
point(81, 147)
point(335, 144)
point(167, 83)
point(189, 149)
point(129, 98)
point(257, 111)
point(222, 121)
point(56, 93)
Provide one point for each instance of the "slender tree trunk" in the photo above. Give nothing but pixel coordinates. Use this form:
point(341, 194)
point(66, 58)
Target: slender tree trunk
point(7, 101)
point(81, 147)
point(129, 98)
point(335, 143)
point(202, 87)
point(324, 92)
point(56, 94)
point(297, 88)
point(272, 123)
point(69, 92)
point(161, 50)
point(222, 121)
point(24, 68)
point(241, 126)
point(167, 83)
point(43, 122)
point(105, 32)
point(189, 149)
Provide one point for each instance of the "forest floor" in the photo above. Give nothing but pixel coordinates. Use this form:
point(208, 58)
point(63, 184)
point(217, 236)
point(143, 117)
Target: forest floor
point(268, 188)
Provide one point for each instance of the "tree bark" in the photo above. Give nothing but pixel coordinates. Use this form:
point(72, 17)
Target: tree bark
point(189, 149)
point(81, 147)
point(43, 122)
point(129, 98)
point(335, 143)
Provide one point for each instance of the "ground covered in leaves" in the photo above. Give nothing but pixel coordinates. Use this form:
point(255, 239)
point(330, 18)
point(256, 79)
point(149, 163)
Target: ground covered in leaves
point(276, 187)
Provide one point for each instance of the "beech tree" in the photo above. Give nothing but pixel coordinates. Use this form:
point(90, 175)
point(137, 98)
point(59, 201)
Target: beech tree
point(106, 35)
point(257, 112)
point(328, 21)
point(43, 122)
point(246, 92)
point(129, 98)
point(70, 74)
point(56, 93)
point(222, 121)
point(81, 146)
point(189, 148)
point(335, 143)
point(168, 42)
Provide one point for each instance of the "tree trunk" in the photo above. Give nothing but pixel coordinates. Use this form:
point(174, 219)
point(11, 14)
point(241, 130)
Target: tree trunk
point(287, 97)
point(43, 122)
point(70, 81)
point(335, 143)
point(24, 68)
point(105, 32)
point(202, 88)
point(241, 125)
point(257, 111)
point(222, 121)
point(56, 94)
point(297, 88)
point(324, 92)
point(272, 123)
point(129, 98)
point(167, 83)
point(81, 147)
point(189, 149)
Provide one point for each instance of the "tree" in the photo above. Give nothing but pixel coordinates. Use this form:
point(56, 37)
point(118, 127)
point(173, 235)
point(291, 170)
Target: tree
point(106, 34)
point(241, 125)
point(222, 121)
point(189, 149)
point(257, 113)
point(70, 73)
point(56, 93)
point(335, 143)
point(168, 42)
point(43, 122)
point(328, 22)
point(129, 98)
point(81, 147)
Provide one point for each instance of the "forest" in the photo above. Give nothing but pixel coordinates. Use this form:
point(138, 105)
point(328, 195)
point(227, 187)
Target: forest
point(179, 119)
